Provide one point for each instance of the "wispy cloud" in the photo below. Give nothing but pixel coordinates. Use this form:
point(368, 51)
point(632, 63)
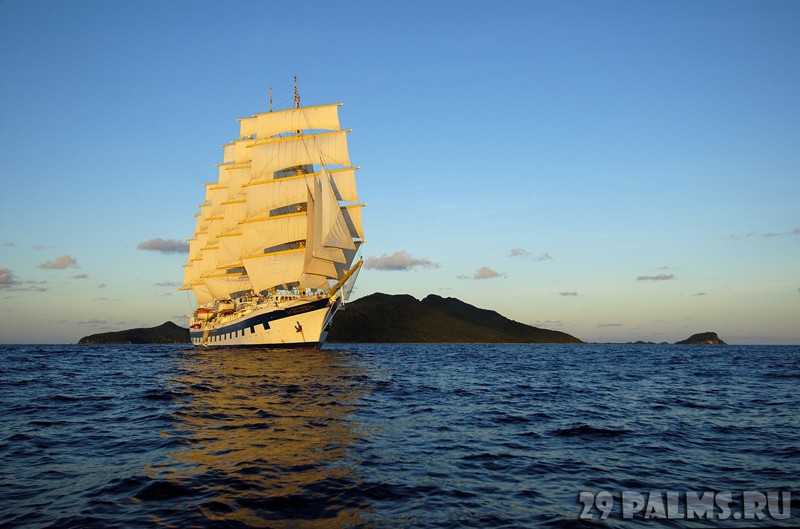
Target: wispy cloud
point(573, 293)
point(483, 272)
point(700, 294)
point(548, 323)
point(398, 261)
point(92, 321)
point(81, 276)
point(60, 263)
point(102, 285)
point(164, 245)
point(9, 244)
point(7, 277)
point(174, 284)
point(10, 282)
point(659, 277)
point(522, 253)
point(609, 325)
point(768, 235)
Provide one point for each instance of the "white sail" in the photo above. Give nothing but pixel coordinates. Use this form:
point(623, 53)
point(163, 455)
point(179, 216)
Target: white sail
point(195, 246)
point(269, 232)
point(190, 275)
point(313, 281)
point(273, 156)
point(324, 117)
point(230, 250)
point(202, 294)
point(237, 152)
point(344, 184)
point(268, 195)
point(222, 285)
point(264, 196)
point(352, 215)
point(235, 178)
point(202, 218)
point(331, 223)
point(208, 262)
point(350, 256)
point(269, 271)
point(234, 212)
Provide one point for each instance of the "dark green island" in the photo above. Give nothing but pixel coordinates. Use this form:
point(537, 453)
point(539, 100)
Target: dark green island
point(401, 318)
point(167, 332)
point(703, 338)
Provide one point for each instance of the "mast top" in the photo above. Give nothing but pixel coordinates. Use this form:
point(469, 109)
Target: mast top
point(270, 99)
point(296, 94)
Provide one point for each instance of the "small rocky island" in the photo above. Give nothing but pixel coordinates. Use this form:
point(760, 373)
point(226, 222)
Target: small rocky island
point(703, 338)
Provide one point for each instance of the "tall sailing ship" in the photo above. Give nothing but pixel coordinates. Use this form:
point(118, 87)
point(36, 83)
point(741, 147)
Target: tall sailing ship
point(271, 259)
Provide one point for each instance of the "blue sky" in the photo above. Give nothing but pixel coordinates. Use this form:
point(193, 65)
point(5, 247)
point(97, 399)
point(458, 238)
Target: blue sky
point(615, 170)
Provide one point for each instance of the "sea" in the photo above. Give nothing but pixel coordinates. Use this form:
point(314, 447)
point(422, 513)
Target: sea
point(400, 436)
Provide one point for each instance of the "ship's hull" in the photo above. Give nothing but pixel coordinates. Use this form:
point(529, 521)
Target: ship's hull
point(300, 325)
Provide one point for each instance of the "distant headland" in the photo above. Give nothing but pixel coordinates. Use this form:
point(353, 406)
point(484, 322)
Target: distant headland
point(433, 320)
point(167, 332)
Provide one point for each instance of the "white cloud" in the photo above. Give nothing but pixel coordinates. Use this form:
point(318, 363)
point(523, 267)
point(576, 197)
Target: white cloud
point(483, 272)
point(9, 282)
point(60, 263)
point(659, 277)
point(165, 245)
point(398, 261)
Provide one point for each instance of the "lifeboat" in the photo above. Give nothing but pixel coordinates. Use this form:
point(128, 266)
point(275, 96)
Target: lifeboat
point(203, 314)
point(226, 307)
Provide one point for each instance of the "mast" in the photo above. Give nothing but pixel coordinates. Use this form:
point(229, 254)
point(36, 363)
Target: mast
point(299, 169)
point(270, 99)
